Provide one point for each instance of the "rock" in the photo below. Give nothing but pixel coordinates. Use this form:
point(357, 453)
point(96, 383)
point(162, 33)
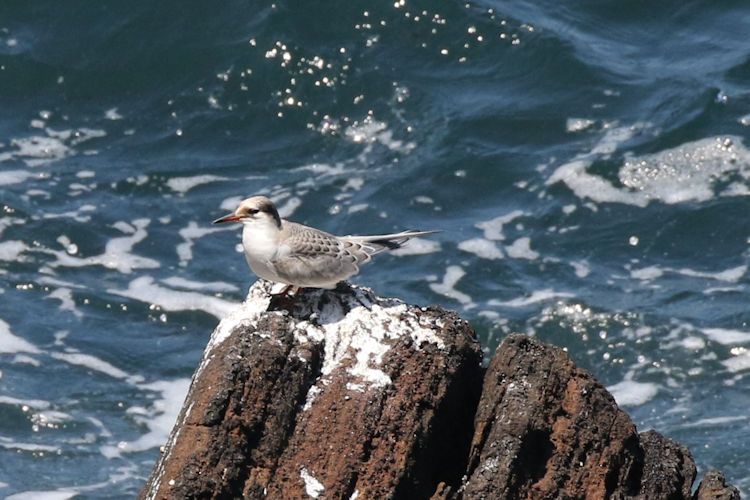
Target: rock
point(668, 469)
point(714, 487)
point(547, 429)
point(335, 394)
point(342, 394)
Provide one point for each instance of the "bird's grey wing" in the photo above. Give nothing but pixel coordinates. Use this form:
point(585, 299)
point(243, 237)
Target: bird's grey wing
point(384, 242)
point(310, 257)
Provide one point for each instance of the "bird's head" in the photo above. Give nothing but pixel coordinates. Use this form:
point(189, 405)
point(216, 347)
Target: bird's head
point(257, 210)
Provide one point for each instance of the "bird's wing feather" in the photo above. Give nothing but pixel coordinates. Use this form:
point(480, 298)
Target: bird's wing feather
point(310, 257)
point(380, 243)
point(314, 258)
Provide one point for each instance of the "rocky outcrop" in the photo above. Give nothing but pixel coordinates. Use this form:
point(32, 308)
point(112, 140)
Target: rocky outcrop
point(548, 429)
point(342, 394)
point(715, 487)
point(337, 394)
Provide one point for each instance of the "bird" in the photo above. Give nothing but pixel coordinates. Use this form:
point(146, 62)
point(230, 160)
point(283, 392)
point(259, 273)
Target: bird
point(300, 256)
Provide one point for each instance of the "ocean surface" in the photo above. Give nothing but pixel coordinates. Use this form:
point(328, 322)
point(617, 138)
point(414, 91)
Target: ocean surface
point(586, 161)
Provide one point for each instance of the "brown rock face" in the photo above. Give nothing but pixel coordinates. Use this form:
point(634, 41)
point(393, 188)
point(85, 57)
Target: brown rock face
point(668, 469)
point(714, 487)
point(346, 395)
point(547, 429)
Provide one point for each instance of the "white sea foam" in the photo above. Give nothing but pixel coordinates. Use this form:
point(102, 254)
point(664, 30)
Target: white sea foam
point(206, 286)
point(40, 150)
point(738, 363)
point(23, 359)
point(614, 136)
point(112, 114)
point(732, 275)
point(686, 173)
point(11, 250)
point(417, 246)
point(65, 296)
point(521, 249)
point(184, 184)
point(144, 289)
point(726, 336)
point(578, 124)
point(6, 222)
point(585, 185)
point(127, 228)
point(77, 136)
point(370, 131)
point(647, 273)
point(37, 150)
point(448, 286)
point(76, 188)
point(535, 297)
point(82, 214)
point(482, 248)
point(159, 418)
point(358, 207)
point(21, 446)
point(42, 193)
point(50, 418)
point(632, 393)
point(693, 343)
point(189, 234)
point(493, 228)
point(581, 268)
point(96, 364)
point(230, 204)
point(716, 421)
point(289, 207)
point(120, 474)
point(325, 169)
point(10, 343)
point(25, 404)
point(117, 252)
point(9, 177)
point(353, 183)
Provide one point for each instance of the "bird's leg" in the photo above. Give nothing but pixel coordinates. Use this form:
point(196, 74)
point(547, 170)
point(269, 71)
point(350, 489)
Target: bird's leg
point(284, 299)
point(288, 290)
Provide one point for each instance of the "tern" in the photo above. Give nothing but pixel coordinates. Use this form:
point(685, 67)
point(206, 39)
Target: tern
point(300, 256)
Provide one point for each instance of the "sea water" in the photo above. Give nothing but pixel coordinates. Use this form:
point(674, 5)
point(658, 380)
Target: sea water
point(587, 163)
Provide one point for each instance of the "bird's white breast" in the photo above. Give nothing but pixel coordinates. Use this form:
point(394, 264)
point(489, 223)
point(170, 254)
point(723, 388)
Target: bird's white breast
point(261, 245)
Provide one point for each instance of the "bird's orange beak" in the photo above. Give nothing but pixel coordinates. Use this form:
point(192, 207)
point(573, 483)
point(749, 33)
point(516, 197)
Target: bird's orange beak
point(227, 218)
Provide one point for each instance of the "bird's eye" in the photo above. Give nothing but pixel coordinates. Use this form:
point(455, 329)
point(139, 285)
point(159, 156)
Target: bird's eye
point(252, 211)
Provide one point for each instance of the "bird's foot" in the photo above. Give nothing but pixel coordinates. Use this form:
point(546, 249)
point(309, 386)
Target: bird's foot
point(284, 299)
point(288, 290)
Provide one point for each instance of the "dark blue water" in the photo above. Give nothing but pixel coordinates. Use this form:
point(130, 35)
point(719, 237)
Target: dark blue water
point(586, 161)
